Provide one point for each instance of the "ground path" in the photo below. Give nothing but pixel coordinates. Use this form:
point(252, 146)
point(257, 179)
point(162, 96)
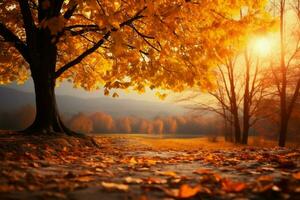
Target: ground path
point(137, 167)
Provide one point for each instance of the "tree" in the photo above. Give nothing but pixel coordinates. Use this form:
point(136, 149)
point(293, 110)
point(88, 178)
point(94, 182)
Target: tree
point(81, 123)
point(287, 84)
point(40, 31)
point(18, 119)
point(103, 123)
point(124, 124)
point(227, 95)
point(158, 126)
point(112, 43)
point(239, 80)
point(254, 92)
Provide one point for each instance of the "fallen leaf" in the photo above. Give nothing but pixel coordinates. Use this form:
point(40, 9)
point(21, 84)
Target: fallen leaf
point(99, 170)
point(36, 165)
point(210, 157)
point(129, 179)
point(151, 162)
point(116, 186)
point(270, 169)
point(153, 180)
point(268, 187)
point(133, 161)
point(230, 186)
point(167, 173)
point(296, 175)
point(265, 178)
point(217, 177)
point(201, 171)
point(85, 178)
point(185, 191)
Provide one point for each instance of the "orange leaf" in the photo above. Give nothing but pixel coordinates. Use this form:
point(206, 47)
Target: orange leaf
point(166, 173)
point(85, 179)
point(230, 186)
point(185, 191)
point(296, 175)
point(133, 161)
point(115, 186)
point(201, 171)
point(265, 178)
point(154, 180)
point(115, 95)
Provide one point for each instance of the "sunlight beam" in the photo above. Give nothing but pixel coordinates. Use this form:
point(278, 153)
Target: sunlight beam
point(261, 46)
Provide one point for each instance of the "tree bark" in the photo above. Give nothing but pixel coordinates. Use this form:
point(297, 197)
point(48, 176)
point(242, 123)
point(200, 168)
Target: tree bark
point(234, 106)
point(246, 117)
point(42, 67)
point(283, 132)
point(282, 93)
point(237, 128)
point(47, 119)
point(245, 124)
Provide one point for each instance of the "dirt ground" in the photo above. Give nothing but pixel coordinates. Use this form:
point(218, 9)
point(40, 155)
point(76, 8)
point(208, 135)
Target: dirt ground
point(142, 168)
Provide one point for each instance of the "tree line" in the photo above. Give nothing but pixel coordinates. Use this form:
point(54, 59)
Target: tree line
point(253, 88)
point(198, 124)
point(100, 122)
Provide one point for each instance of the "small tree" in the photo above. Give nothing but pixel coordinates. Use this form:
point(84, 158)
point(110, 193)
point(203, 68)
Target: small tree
point(81, 123)
point(236, 82)
point(287, 78)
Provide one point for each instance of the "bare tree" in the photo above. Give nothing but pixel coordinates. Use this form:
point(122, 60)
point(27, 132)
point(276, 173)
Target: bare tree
point(287, 95)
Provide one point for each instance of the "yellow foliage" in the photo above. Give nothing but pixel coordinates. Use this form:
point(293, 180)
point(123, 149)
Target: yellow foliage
point(172, 45)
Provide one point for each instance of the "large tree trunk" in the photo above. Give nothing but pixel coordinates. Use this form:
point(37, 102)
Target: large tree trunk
point(226, 132)
point(282, 93)
point(237, 128)
point(245, 126)
point(233, 102)
point(235, 113)
point(246, 117)
point(283, 132)
point(245, 132)
point(47, 119)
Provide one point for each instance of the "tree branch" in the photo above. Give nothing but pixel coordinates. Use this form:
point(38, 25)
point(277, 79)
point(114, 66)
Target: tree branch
point(28, 22)
point(11, 37)
point(97, 45)
point(81, 29)
point(77, 60)
point(145, 37)
point(82, 26)
point(68, 14)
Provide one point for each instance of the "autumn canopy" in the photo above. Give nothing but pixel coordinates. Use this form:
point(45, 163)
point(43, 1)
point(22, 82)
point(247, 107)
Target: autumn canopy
point(118, 44)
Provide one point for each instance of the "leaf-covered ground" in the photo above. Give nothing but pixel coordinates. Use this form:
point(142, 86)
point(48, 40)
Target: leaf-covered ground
point(133, 167)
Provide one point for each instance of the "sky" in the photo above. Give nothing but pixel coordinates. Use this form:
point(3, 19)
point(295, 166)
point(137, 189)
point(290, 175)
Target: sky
point(146, 105)
point(66, 88)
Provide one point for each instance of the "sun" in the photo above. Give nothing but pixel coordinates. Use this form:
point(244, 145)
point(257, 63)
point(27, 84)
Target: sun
point(262, 46)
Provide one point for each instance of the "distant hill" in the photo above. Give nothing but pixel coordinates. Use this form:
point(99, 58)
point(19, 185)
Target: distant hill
point(11, 99)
